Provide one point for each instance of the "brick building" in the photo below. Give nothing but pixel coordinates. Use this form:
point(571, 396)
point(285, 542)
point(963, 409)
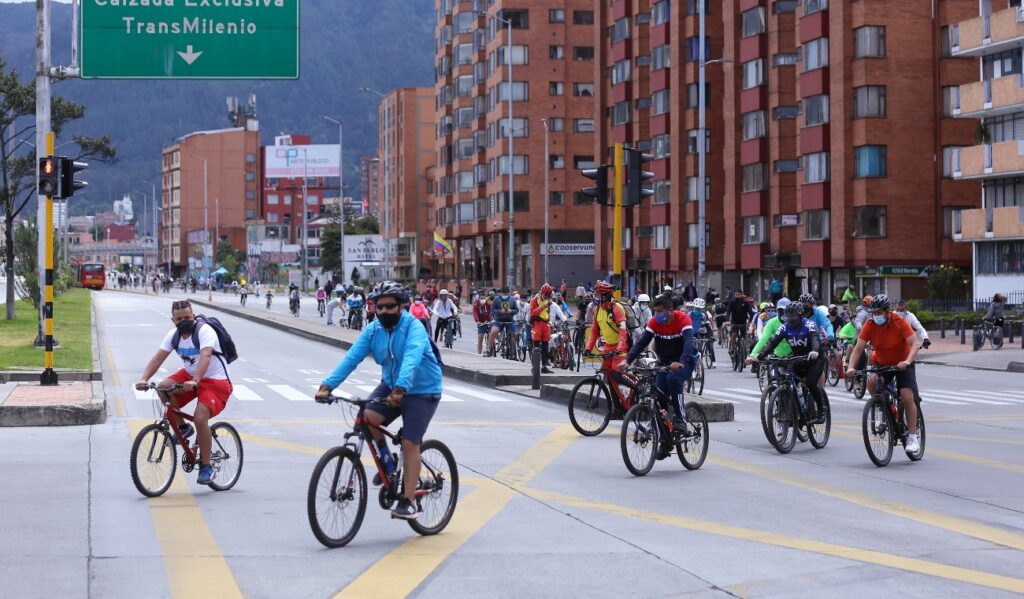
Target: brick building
point(829, 143)
point(992, 34)
point(552, 82)
point(369, 184)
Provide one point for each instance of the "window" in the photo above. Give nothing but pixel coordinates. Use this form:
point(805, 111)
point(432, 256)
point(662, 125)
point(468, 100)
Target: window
point(585, 90)
point(581, 199)
point(815, 167)
point(994, 66)
point(787, 166)
point(520, 91)
point(520, 55)
point(582, 17)
point(466, 212)
point(250, 176)
point(465, 148)
point(691, 235)
point(1000, 257)
point(755, 177)
point(465, 181)
point(951, 220)
point(556, 161)
point(582, 162)
point(869, 41)
point(620, 30)
point(556, 15)
point(272, 199)
point(753, 229)
point(691, 141)
point(950, 100)
point(753, 73)
point(464, 54)
point(464, 86)
point(661, 57)
point(250, 158)
point(556, 123)
point(815, 54)
point(660, 101)
point(556, 88)
point(693, 95)
point(556, 52)
point(692, 189)
point(950, 161)
point(693, 6)
point(520, 127)
point(785, 59)
point(660, 12)
point(464, 22)
point(816, 224)
point(519, 18)
point(870, 161)
point(785, 112)
point(621, 113)
point(813, 6)
point(662, 235)
point(464, 118)
point(662, 192)
point(662, 146)
point(869, 101)
point(620, 72)
point(780, 7)
point(753, 21)
point(583, 125)
point(520, 201)
point(693, 50)
point(816, 110)
point(869, 221)
point(583, 53)
point(1007, 127)
point(556, 198)
point(949, 37)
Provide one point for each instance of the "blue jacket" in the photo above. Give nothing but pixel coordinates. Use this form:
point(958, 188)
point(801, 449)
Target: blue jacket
point(820, 320)
point(405, 355)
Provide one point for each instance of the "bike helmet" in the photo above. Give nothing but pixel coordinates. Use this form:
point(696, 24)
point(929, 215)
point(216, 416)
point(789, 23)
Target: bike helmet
point(444, 292)
point(795, 311)
point(806, 298)
point(880, 302)
point(783, 304)
point(643, 297)
point(833, 310)
point(604, 288)
point(546, 290)
point(699, 304)
point(390, 289)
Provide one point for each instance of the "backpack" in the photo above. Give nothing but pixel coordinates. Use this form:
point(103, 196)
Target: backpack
point(227, 353)
point(632, 322)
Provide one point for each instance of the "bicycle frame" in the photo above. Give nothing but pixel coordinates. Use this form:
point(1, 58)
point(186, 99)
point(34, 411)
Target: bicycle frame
point(890, 394)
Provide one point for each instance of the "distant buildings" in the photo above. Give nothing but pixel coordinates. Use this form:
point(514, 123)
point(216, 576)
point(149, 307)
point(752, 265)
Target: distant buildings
point(369, 184)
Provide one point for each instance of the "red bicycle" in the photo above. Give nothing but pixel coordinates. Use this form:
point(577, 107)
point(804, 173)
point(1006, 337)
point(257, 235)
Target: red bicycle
point(596, 398)
point(155, 456)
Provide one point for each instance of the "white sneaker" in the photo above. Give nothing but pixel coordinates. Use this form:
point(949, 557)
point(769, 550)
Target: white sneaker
point(913, 445)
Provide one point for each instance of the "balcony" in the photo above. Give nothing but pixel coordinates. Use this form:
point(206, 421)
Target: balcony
point(989, 223)
point(999, 31)
point(1004, 95)
point(991, 160)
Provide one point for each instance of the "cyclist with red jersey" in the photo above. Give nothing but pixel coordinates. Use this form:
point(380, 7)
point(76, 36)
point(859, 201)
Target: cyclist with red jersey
point(482, 318)
point(540, 323)
point(609, 332)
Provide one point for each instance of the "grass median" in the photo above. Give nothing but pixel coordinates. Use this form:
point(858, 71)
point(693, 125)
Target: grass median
point(72, 327)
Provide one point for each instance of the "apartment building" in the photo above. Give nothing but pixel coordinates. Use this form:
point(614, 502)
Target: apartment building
point(992, 37)
point(552, 125)
point(369, 184)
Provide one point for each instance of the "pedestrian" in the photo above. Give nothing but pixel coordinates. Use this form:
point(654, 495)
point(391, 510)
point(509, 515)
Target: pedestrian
point(563, 287)
point(775, 289)
point(690, 292)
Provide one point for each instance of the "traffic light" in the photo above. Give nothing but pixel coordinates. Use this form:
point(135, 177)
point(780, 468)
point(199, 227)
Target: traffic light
point(635, 190)
point(48, 176)
point(600, 191)
point(68, 184)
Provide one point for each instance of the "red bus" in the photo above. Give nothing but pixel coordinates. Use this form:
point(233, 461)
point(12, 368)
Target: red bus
point(92, 276)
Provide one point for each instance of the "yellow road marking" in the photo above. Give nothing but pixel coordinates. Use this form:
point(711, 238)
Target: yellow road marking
point(401, 571)
point(280, 444)
point(874, 502)
point(115, 378)
point(194, 562)
point(950, 455)
point(868, 556)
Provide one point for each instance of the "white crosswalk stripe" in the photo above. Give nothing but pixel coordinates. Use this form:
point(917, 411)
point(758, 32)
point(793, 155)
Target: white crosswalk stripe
point(244, 393)
point(963, 396)
point(290, 393)
point(997, 395)
point(475, 393)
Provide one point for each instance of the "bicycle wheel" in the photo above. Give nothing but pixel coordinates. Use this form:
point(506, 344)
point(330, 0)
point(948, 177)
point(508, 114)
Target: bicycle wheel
point(762, 376)
point(696, 383)
point(832, 370)
point(877, 428)
point(818, 433)
point(706, 352)
point(997, 337)
point(154, 460)
point(765, 396)
point(736, 357)
point(639, 439)
point(978, 338)
point(920, 435)
point(447, 338)
point(848, 381)
point(860, 385)
point(438, 489)
point(692, 447)
point(782, 420)
point(336, 500)
point(590, 407)
point(227, 456)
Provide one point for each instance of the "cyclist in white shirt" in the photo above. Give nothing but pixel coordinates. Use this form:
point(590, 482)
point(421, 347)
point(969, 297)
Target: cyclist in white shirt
point(444, 308)
point(919, 330)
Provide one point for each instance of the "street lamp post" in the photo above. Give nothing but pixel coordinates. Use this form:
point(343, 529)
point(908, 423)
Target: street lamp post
point(547, 199)
point(305, 218)
point(142, 222)
point(206, 225)
point(341, 191)
point(387, 183)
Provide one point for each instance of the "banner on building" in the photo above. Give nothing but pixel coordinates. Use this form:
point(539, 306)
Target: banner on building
point(364, 248)
point(318, 160)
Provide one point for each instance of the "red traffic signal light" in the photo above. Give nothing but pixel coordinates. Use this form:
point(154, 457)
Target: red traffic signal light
point(48, 176)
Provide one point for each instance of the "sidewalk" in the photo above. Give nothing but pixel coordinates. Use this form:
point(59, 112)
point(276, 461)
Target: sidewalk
point(949, 352)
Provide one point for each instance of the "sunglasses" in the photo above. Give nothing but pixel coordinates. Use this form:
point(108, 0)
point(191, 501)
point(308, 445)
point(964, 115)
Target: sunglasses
point(387, 306)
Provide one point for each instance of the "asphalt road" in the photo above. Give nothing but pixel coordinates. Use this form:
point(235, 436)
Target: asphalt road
point(543, 512)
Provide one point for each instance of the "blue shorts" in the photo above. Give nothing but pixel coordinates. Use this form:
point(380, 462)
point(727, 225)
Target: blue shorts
point(482, 329)
point(416, 411)
point(508, 325)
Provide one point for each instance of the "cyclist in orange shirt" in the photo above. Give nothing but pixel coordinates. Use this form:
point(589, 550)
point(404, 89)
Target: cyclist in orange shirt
point(540, 327)
point(609, 330)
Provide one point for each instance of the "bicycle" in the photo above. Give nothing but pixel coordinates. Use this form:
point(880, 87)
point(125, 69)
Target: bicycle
point(834, 364)
point(270, 297)
point(244, 297)
point(883, 421)
point(702, 343)
point(739, 352)
point(562, 353)
point(154, 455)
point(355, 322)
point(523, 342)
point(651, 418)
point(505, 344)
point(321, 307)
point(987, 329)
point(695, 384)
point(449, 332)
point(329, 498)
point(293, 306)
point(782, 412)
point(595, 399)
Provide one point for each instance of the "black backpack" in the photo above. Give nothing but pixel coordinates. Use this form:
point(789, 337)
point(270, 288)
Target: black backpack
point(227, 353)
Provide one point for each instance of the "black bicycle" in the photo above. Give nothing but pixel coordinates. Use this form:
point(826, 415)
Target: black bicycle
point(449, 332)
point(884, 419)
point(740, 350)
point(648, 433)
point(336, 499)
point(321, 306)
point(987, 330)
point(703, 343)
point(787, 406)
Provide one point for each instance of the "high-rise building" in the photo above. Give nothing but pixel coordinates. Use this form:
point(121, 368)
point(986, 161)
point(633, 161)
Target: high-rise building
point(829, 148)
point(552, 95)
point(406, 153)
point(369, 184)
point(992, 34)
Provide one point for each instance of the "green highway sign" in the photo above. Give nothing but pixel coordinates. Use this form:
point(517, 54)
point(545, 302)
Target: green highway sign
point(189, 39)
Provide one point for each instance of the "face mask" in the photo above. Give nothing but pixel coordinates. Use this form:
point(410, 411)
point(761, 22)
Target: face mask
point(878, 319)
point(662, 317)
point(186, 327)
point(771, 313)
point(388, 320)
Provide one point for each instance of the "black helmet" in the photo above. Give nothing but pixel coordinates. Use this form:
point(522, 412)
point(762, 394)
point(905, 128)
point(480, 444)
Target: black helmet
point(390, 289)
point(663, 301)
point(880, 302)
point(795, 310)
point(806, 298)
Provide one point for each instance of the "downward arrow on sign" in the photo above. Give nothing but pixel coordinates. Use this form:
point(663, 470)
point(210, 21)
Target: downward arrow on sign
point(189, 56)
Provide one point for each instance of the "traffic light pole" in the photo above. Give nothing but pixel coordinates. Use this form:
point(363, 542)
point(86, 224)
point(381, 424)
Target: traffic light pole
point(617, 216)
point(49, 375)
point(44, 147)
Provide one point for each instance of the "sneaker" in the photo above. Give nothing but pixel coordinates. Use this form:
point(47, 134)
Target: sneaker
point(205, 475)
point(712, 367)
point(663, 452)
point(546, 370)
point(404, 510)
point(188, 433)
point(679, 424)
point(913, 445)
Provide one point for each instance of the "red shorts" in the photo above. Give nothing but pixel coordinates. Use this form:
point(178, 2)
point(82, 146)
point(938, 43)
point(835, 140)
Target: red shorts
point(541, 331)
point(213, 393)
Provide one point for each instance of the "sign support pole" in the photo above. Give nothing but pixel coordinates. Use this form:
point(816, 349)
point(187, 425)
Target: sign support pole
point(617, 217)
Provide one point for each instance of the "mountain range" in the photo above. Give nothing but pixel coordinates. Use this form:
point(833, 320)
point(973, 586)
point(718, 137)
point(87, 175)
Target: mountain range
point(345, 45)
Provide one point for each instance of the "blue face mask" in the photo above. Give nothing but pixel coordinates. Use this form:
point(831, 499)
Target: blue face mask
point(662, 318)
point(878, 319)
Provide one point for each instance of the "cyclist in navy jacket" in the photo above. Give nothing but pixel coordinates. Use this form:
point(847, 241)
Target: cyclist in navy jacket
point(805, 340)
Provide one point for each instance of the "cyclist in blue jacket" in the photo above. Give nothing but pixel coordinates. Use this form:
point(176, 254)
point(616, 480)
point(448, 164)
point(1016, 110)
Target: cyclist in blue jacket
point(804, 339)
point(410, 384)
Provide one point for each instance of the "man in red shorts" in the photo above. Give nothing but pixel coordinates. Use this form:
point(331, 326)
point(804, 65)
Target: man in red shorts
point(204, 375)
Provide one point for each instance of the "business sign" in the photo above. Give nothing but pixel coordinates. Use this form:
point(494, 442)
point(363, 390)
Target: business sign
point(320, 160)
point(568, 249)
point(896, 271)
point(364, 249)
point(190, 39)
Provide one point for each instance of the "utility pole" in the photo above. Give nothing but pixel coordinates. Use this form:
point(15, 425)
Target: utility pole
point(42, 129)
point(701, 160)
point(305, 218)
point(617, 216)
point(341, 191)
point(547, 198)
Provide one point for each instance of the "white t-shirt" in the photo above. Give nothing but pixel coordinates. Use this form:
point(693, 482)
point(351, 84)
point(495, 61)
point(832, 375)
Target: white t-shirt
point(190, 354)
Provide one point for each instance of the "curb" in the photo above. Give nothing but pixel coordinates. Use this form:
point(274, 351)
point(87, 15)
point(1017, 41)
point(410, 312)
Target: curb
point(715, 410)
point(1010, 367)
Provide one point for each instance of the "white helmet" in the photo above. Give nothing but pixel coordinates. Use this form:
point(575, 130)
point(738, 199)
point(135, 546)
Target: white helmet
point(667, 288)
point(444, 292)
point(699, 303)
point(643, 297)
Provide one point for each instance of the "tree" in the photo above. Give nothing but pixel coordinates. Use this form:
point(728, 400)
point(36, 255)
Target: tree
point(98, 231)
point(17, 156)
point(947, 282)
point(364, 225)
point(26, 240)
